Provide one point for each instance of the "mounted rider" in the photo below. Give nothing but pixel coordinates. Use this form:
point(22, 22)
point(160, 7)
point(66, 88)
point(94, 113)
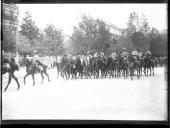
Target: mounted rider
point(124, 55)
point(148, 54)
point(135, 55)
point(113, 56)
point(13, 65)
point(35, 60)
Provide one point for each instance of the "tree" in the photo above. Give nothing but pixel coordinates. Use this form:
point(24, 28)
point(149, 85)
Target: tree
point(23, 44)
point(91, 35)
point(135, 36)
point(54, 37)
point(104, 39)
point(140, 41)
point(9, 41)
point(158, 42)
point(29, 29)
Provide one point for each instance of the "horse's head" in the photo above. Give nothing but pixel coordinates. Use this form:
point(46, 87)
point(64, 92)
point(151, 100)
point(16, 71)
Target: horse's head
point(27, 62)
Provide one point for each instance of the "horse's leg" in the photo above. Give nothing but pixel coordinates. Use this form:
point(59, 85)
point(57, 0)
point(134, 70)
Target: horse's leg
point(13, 76)
point(33, 79)
point(131, 74)
point(42, 76)
point(57, 73)
point(124, 73)
point(47, 75)
point(144, 70)
point(147, 72)
point(26, 76)
point(9, 81)
point(138, 73)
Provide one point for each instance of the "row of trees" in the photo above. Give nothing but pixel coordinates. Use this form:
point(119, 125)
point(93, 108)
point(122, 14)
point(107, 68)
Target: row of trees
point(30, 38)
point(94, 34)
point(90, 35)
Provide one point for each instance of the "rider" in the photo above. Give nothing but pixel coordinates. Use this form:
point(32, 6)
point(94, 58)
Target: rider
point(35, 60)
point(135, 55)
point(124, 54)
point(148, 54)
point(113, 55)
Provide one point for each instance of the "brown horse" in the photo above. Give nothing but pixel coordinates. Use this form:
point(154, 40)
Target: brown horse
point(10, 67)
point(32, 69)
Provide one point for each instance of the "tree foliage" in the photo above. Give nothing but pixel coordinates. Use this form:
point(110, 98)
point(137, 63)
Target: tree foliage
point(135, 36)
point(23, 44)
point(54, 38)
point(91, 35)
point(29, 29)
point(53, 35)
point(140, 41)
point(158, 42)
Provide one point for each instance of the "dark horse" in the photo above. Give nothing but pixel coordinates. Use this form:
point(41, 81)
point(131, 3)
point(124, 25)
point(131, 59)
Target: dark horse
point(134, 64)
point(148, 65)
point(32, 69)
point(10, 67)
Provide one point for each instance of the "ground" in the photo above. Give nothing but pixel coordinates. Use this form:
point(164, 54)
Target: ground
point(106, 99)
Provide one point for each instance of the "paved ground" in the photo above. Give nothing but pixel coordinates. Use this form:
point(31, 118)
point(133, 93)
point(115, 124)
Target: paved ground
point(110, 99)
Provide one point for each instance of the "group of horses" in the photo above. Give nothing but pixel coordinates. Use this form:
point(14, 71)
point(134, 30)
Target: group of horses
point(102, 67)
point(79, 67)
point(10, 66)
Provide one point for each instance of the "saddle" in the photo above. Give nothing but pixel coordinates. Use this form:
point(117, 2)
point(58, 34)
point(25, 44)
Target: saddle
point(38, 66)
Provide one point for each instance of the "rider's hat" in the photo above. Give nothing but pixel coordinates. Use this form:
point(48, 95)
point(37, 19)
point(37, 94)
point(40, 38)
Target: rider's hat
point(134, 53)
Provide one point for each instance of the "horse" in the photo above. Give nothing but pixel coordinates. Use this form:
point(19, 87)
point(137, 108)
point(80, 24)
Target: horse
point(79, 67)
point(32, 69)
point(10, 68)
point(148, 65)
point(134, 64)
point(124, 66)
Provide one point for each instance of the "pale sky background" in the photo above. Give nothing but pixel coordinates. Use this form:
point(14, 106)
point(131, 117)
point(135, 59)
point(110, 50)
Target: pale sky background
point(66, 16)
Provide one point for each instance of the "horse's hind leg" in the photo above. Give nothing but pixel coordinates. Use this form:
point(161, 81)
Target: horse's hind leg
point(33, 79)
point(9, 81)
point(16, 81)
point(42, 78)
point(138, 73)
point(25, 77)
point(47, 75)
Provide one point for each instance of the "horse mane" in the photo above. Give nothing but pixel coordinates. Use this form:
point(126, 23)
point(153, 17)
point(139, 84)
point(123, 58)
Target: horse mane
point(28, 62)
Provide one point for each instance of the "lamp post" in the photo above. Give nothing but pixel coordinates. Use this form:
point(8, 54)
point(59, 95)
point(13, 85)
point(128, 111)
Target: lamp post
point(17, 54)
point(116, 46)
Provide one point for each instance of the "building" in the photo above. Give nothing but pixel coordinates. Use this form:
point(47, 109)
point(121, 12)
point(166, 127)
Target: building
point(10, 13)
point(115, 30)
point(67, 44)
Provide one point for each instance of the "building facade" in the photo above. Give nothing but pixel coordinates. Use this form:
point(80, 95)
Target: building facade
point(10, 13)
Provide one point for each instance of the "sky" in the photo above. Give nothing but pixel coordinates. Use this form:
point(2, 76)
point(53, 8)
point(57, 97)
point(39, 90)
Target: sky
point(66, 16)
